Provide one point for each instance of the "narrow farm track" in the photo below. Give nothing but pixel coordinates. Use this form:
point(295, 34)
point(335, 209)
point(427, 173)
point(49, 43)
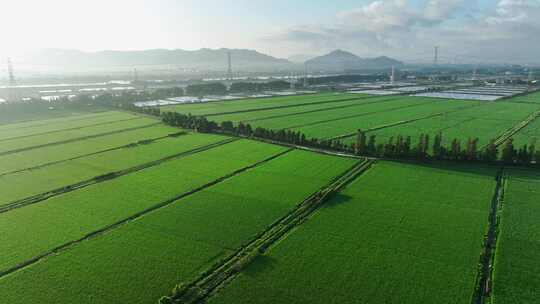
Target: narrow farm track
point(402, 122)
point(77, 139)
point(105, 177)
point(70, 129)
point(319, 110)
point(290, 106)
point(358, 115)
point(485, 270)
point(142, 141)
point(214, 279)
point(135, 216)
point(514, 130)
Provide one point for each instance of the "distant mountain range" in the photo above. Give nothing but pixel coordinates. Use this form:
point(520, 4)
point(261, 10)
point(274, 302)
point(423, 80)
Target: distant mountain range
point(339, 60)
point(203, 59)
point(212, 59)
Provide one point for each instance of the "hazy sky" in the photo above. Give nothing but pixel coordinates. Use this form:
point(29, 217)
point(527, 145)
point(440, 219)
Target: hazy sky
point(466, 30)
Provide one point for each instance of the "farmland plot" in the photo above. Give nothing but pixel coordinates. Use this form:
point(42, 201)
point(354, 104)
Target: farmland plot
point(530, 135)
point(398, 234)
point(517, 267)
point(26, 183)
point(174, 244)
point(54, 125)
point(73, 215)
point(15, 144)
point(292, 113)
point(256, 104)
point(350, 125)
point(54, 153)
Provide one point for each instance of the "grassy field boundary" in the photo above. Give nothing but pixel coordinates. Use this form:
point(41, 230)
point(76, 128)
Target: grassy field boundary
point(70, 129)
point(226, 270)
point(105, 177)
point(321, 110)
point(484, 277)
point(78, 139)
point(115, 225)
point(514, 130)
point(133, 144)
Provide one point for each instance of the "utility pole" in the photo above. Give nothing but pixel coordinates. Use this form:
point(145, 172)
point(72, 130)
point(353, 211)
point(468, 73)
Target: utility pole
point(229, 70)
point(305, 75)
point(436, 56)
point(12, 82)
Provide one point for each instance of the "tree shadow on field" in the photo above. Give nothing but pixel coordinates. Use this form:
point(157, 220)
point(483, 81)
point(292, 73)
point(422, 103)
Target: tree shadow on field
point(261, 264)
point(337, 200)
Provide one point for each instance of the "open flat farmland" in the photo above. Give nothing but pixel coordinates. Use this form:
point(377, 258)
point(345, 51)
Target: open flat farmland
point(28, 142)
point(331, 115)
point(345, 126)
point(43, 179)
point(54, 125)
point(212, 108)
point(530, 98)
point(23, 114)
point(143, 259)
point(517, 267)
point(60, 152)
point(73, 215)
point(257, 117)
point(488, 121)
point(529, 135)
point(398, 234)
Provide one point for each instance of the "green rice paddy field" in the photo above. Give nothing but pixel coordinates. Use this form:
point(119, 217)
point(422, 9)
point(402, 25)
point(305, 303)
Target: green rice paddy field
point(144, 259)
point(398, 234)
point(383, 116)
point(517, 266)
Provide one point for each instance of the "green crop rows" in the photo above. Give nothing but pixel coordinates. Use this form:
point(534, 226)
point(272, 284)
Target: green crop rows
point(64, 218)
point(54, 153)
point(55, 125)
point(517, 266)
point(36, 181)
point(144, 259)
point(40, 140)
point(398, 234)
point(257, 103)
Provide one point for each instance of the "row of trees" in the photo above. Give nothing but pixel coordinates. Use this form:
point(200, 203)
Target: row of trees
point(398, 147)
point(456, 150)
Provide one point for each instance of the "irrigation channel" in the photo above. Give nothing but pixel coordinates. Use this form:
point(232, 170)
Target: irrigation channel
point(485, 267)
point(105, 177)
point(225, 271)
point(158, 206)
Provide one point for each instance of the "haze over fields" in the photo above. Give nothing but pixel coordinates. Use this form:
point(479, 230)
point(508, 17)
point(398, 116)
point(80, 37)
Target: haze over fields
point(466, 31)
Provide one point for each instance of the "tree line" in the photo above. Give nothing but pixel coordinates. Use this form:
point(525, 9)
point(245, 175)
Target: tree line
point(398, 147)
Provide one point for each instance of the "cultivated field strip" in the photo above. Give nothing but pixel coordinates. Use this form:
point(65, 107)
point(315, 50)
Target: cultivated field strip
point(59, 125)
point(517, 267)
point(340, 127)
point(529, 135)
point(222, 107)
point(306, 120)
point(176, 242)
point(488, 121)
point(22, 116)
point(215, 278)
point(40, 141)
point(37, 185)
point(398, 234)
point(259, 116)
point(34, 158)
point(71, 216)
